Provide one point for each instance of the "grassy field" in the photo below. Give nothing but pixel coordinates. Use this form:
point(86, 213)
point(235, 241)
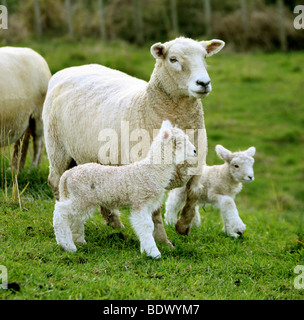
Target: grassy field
point(257, 99)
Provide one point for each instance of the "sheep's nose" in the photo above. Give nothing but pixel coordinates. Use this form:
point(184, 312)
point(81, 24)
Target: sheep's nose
point(203, 83)
point(194, 151)
point(250, 177)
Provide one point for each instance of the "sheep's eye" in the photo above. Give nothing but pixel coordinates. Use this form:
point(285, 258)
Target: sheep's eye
point(173, 60)
point(236, 166)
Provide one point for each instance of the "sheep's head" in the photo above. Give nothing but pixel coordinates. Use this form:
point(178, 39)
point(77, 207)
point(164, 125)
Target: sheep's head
point(177, 145)
point(240, 163)
point(183, 59)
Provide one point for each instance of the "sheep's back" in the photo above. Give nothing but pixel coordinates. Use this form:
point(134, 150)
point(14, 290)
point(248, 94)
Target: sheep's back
point(24, 77)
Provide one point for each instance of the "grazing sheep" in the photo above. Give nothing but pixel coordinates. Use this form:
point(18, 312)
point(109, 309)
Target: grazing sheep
point(219, 186)
point(140, 185)
point(83, 101)
point(24, 77)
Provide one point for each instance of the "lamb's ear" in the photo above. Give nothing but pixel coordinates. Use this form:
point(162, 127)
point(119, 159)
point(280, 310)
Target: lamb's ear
point(166, 130)
point(250, 152)
point(213, 46)
point(166, 125)
point(223, 153)
point(157, 50)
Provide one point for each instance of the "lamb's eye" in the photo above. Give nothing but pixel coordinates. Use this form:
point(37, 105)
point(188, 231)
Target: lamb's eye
point(236, 166)
point(173, 59)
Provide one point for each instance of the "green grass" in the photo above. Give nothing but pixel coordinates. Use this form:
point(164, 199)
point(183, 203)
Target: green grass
point(257, 99)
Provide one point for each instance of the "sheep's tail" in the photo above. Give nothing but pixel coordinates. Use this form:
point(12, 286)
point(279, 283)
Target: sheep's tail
point(63, 189)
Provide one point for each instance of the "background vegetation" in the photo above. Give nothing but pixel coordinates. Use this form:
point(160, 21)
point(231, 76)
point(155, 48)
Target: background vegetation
point(257, 100)
point(244, 24)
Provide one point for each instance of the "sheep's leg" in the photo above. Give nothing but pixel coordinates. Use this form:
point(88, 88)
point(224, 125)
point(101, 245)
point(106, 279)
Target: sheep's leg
point(38, 142)
point(61, 224)
point(189, 211)
point(159, 232)
point(175, 202)
point(142, 223)
point(59, 163)
point(233, 225)
point(112, 217)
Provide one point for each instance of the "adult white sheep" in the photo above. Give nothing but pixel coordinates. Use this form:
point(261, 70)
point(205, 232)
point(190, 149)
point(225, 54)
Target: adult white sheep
point(82, 101)
point(219, 186)
point(24, 77)
point(140, 185)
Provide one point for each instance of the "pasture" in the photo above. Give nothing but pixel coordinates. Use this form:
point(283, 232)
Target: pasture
point(257, 100)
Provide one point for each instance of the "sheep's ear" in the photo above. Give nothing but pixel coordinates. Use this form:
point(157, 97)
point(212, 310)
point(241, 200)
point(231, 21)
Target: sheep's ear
point(157, 50)
point(250, 152)
point(223, 153)
point(213, 46)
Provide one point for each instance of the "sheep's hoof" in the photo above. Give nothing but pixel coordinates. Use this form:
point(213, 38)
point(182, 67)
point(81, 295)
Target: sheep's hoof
point(184, 230)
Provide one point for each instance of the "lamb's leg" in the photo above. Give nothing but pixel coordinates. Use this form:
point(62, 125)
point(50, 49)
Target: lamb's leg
point(77, 228)
point(197, 218)
point(112, 217)
point(61, 224)
point(159, 232)
point(189, 211)
point(233, 225)
point(142, 223)
point(175, 202)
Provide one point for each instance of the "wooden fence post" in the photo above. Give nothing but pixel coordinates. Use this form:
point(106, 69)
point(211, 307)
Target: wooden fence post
point(37, 18)
point(69, 18)
point(207, 9)
point(244, 13)
point(103, 31)
point(138, 19)
point(282, 31)
point(174, 18)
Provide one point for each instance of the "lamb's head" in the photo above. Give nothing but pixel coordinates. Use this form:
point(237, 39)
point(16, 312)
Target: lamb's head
point(240, 163)
point(176, 146)
point(183, 59)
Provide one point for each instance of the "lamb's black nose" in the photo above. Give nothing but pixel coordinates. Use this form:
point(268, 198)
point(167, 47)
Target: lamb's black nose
point(250, 177)
point(194, 151)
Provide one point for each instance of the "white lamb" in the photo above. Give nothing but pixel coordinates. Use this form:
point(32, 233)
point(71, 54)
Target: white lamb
point(83, 101)
point(140, 185)
point(219, 186)
point(24, 77)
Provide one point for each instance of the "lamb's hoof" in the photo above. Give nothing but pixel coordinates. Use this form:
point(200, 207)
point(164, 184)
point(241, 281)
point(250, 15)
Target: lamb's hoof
point(158, 256)
point(80, 241)
point(169, 222)
point(184, 230)
point(116, 225)
point(170, 244)
point(235, 231)
point(154, 254)
point(69, 248)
